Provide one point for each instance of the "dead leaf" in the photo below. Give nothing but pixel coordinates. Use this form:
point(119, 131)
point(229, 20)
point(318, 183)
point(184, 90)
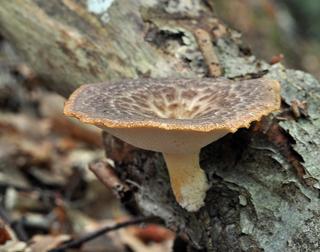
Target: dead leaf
point(152, 233)
point(276, 59)
point(4, 234)
point(15, 246)
point(41, 243)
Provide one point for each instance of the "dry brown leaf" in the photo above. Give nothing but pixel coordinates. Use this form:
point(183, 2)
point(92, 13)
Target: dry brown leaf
point(15, 246)
point(152, 233)
point(4, 234)
point(137, 245)
point(41, 243)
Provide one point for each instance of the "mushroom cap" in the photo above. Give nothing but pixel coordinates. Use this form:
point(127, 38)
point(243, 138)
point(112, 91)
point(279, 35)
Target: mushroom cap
point(170, 108)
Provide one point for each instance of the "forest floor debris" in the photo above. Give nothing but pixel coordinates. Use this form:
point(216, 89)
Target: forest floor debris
point(48, 195)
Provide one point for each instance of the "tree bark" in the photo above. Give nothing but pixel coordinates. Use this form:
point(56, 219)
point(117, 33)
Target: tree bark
point(264, 193)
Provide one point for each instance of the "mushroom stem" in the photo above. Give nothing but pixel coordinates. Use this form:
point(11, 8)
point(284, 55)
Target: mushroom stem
point(188, 181)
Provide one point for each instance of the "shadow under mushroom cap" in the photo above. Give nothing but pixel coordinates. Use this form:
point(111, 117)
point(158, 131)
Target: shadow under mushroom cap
point(175, 104)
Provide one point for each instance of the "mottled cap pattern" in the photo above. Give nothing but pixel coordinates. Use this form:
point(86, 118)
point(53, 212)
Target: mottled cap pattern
point(175, 104)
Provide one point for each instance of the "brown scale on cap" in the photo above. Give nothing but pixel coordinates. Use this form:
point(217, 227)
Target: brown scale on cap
point(201, 105)
point(176, 117)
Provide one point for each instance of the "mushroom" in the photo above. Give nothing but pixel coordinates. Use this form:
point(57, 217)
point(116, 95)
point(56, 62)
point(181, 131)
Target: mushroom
point(176, 117)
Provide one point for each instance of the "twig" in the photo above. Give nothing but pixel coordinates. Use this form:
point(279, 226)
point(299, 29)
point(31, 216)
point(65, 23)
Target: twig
point(5, 216)
point(21, 233)
point(17, 227)
point(208, 52)
point(104, 230)
point(108, 178)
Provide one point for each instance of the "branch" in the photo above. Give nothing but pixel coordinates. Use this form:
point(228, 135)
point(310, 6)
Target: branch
point(104, 230)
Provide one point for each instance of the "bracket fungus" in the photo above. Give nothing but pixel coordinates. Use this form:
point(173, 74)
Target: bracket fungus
point(176, 117)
